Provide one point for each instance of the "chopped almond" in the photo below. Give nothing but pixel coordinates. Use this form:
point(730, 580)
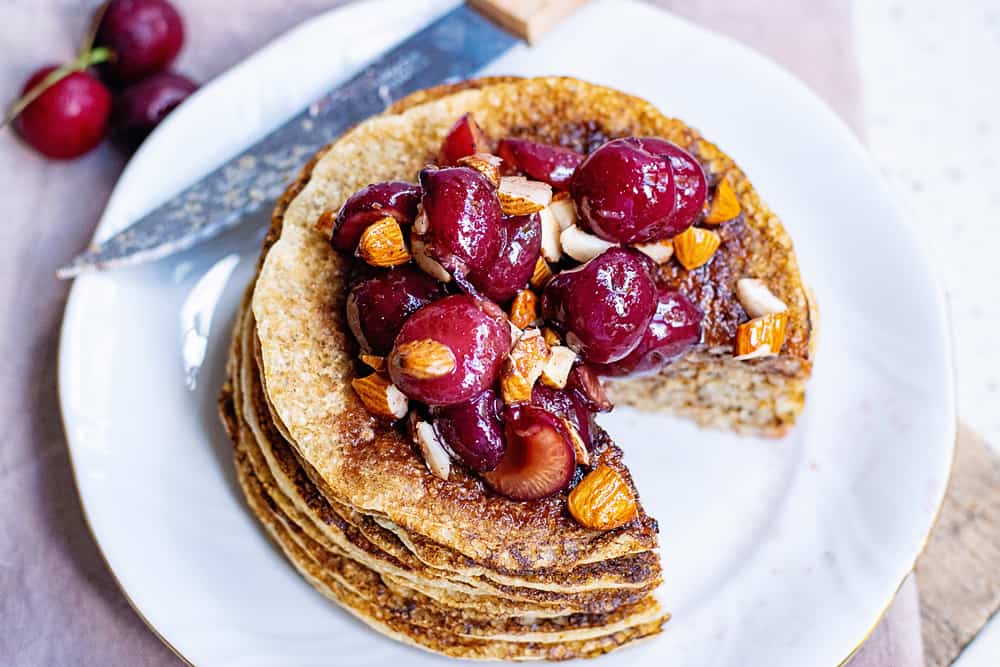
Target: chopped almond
point(579, 447)
point(695, 246)
point(382, 244)
point(373, 361)
point(381, 397)
point(602, 500)
point(523, 367)
point(761, 337)
point(563, 210)
point(659, 251)
point(524, 309)
point(551, 244)
point(423, 359)
point(435, 455)
point(551, 337)
point(557, 368)
point(429, 265)
point(542, 275)
point(519, 196)
point(757, 299)
point(582, 246)
point(725, 205)
point(486, 164)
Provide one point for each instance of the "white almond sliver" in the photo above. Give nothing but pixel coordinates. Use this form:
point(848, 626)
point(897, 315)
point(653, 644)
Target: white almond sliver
point(435, 455)
point(551, 245)
point(582, 246)
point(757, 299)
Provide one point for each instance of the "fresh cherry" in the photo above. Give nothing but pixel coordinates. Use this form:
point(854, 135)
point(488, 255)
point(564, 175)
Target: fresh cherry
point(689, 178)
point(463, 139)
point(604, 306)
point(142, 106)
point(373, 202)
point(675, 327)
point(450, 351)
point(565, 404)
point(510, 272)
point(69, 118)
point(473, 431)
point(553, 164)
point(378, 306)
point(539, 460)
point(144, 36)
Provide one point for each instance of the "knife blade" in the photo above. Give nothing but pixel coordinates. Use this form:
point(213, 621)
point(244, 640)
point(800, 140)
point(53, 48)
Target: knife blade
point(450, 48)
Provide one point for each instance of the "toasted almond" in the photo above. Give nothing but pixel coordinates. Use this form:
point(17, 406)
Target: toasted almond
point(420, 224)
point(486, 164)
point(325, 222)
point(563, 210)
point(423, 359)
point(434, 452)
point(373, 361)
point(519, 196)
point(523, 367)
point(515, 333)
point(382, 244)
point(524, 309)
point(757, 299)
point(551, 245)
point(725, 204)
point(551, 337)
point(429, 265)
point(381, 397)
point(695, 246)
point(602, 500)
point(761, 337)
point(542, 274)
point(659, 251)
point(582, 246)
point(354, 322)
point(557, 368)
point(579, 446)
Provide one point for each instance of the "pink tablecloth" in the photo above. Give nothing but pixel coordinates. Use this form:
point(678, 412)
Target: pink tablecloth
point(59, 604)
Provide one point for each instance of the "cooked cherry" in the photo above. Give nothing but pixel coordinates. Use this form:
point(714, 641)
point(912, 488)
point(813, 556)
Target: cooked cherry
point(553, 164)
point(450, 351)
point(689, 178)
point(370, 203)
point(512, 269)
point(539, 460)
point(464, 138)
point(565, 404)
point(473, 431)
point(142, 106)
point(675, 327)
point(144, 36)
point(377, 306)
point(69, 118)
point(586, 386)
point(463, 219)
point(604, 306)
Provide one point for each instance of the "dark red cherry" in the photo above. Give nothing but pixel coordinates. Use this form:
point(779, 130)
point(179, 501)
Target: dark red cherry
point(539, 460)
point(565, 404)
point(69, 118)
point(142, 106)
point(144, 36)
point(463, 139)
point(463, 220)
point(604, 306)
point(450, 351)
point(522, 242)
point(553, 164)
point(378, 306)
point(675, 327)
point(473, 431)
point(371, 203)
point(689, 178)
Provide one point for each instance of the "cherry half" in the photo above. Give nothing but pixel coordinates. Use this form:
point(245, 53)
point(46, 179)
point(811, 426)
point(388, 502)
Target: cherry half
point(473, 431)
point(539, 460)
point(373, 202)
point(511, 271)
point(378, 306)
point(553, 164)
point(463, 139)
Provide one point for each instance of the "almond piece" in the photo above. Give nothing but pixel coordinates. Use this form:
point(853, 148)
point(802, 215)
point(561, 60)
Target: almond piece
point(542, 274)
point(659, 251)
point(695, 246)
point(523, 367)
point(551, 245)
point(557, 368)
point(325, 222)
point(420, 224)
point(354, 322)
point(757, 299)
point(423, 359)
point(382, 244)
point(551, 337)
point(602, 500)
point(435, 455)
point(519, 196)
point(381, 397)
point(373, 361)
point(582, 246)
point(524, 309)
point(486, 164)
point(579, 447)
point(515, 334)
point(428, 264)
point(563, 210)
point(725, 204)
point(761, 337)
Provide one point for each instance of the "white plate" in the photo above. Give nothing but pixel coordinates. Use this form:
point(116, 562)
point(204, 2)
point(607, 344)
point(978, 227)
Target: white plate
point(776, 552)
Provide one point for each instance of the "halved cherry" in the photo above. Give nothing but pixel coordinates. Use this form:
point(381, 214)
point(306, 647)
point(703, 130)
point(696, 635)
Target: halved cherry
point(690, 181)
point(373, 202)
point(539, 461)
point(566, 404)
point(378, 305)
point(553, 164)
point(473, 430)
point(464, 138)
point(522, 242)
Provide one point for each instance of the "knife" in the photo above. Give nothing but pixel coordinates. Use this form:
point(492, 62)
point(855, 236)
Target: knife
point(450, 48)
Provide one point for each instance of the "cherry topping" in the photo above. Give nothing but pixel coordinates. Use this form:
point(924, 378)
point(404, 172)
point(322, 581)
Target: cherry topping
point(539, 461)
point(511, 271)
point(689, 178)
point(472, 430)
point(604, 306)
point(69, 118)
point(370, 203)
point(450, 351)
point(377, 306)
point(586, 386)
point(463, 139)
point(142, 106)
point(553, 164)
point(675, 327)
point(565, 404)
point(145, 36)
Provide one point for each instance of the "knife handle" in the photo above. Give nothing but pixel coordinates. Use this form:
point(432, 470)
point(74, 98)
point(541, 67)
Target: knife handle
point(528, 19)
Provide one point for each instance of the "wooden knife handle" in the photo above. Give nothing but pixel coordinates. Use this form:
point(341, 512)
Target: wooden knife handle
point(528, 19)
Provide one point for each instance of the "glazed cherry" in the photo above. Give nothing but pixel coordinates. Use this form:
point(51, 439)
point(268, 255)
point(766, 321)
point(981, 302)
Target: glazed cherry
point(473, 431)
point(689, 178)
point(565, 404)
point(675, 327)
point(463, 139)
point(604, 306)
point(377, 306)
point(553, 164)
point(450, 351)
point(370, 203)
point(463, 220)
point(144, 36)
point(69, 118)
point(539, 460)
point(512, 269)
point(142, 106)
